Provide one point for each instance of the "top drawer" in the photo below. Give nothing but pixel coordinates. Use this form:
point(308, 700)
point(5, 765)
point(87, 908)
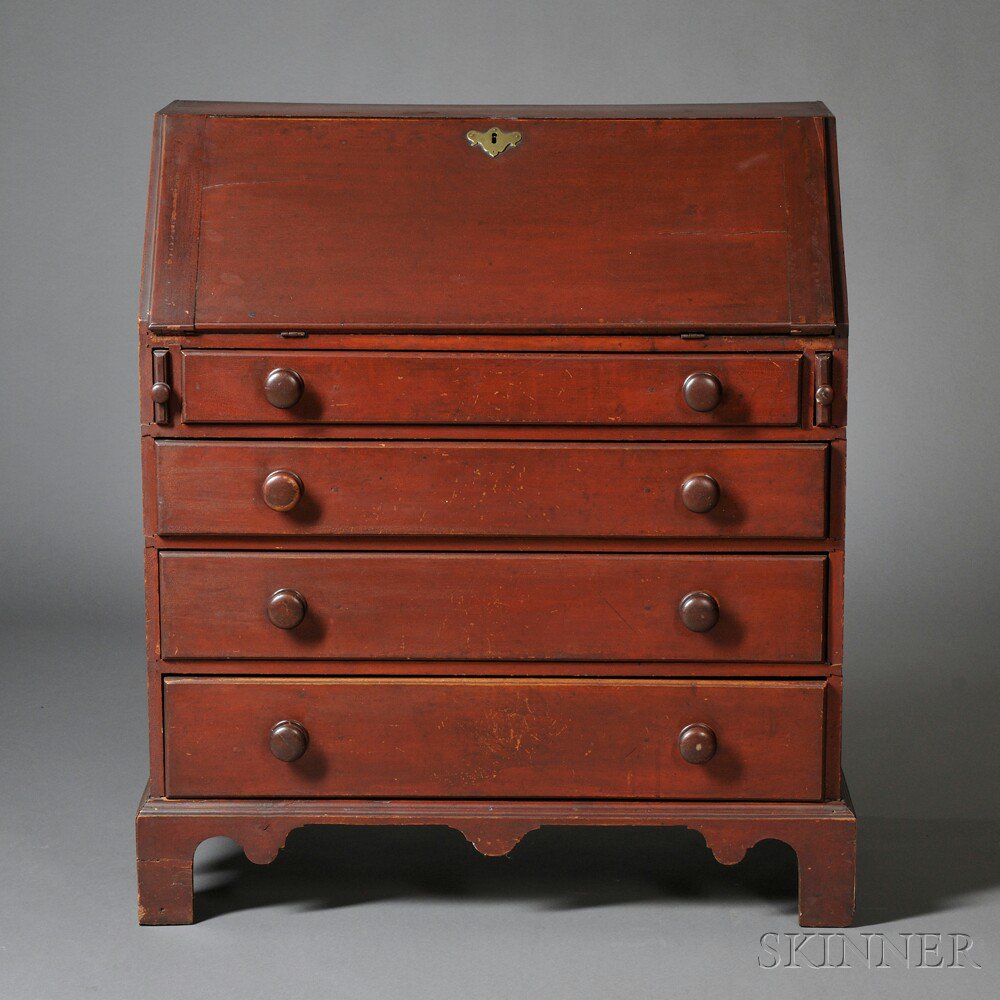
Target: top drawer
point(611, 390)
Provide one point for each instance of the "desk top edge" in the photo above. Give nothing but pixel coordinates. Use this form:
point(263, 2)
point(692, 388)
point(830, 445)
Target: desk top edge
point(569, 112)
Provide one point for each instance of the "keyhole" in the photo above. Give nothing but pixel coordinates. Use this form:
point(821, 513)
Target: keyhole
point(493, 138)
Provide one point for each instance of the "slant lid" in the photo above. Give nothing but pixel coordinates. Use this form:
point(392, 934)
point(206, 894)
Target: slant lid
point(587, 219)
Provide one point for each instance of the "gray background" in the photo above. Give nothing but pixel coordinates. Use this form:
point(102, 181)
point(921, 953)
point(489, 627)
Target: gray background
point(582, 914)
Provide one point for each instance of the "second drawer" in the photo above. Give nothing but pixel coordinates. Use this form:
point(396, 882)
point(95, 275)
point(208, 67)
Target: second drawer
point(492, 606)
point(495, 490)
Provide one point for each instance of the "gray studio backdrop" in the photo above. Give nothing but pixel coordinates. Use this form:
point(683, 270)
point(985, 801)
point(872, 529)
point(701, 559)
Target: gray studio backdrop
point(915, 89)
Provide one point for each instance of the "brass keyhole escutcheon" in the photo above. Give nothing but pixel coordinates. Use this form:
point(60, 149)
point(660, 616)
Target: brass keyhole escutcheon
point(493, 141)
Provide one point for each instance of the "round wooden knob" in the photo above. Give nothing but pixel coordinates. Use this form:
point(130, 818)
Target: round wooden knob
point(283, 388)
point(824, 395)
point(699, 611)
point(286, 608)
point(288, 740)
point(159, 392)
point(697, 743)
point(282, 490)
point(700, 494)
point(702, 391)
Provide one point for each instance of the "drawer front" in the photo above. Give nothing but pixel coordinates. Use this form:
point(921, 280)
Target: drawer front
point(493, 738)
point(491, 606)
point(491, 489)
point(468, 388)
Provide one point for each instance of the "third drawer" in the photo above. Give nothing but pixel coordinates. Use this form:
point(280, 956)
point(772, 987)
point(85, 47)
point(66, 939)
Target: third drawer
point(492, 606)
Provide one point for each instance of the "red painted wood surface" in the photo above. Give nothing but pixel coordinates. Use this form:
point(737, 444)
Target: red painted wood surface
point(269, 109)
point(491, 607)
point(758, 670)
point(586, 224)
point(173, 225)
point(450, 313)
point(494, 738)
point(478, 388)
point(168, 831)
point(491, 490)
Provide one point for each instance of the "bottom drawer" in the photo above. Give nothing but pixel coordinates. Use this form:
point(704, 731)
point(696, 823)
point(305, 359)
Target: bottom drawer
point(489, 738)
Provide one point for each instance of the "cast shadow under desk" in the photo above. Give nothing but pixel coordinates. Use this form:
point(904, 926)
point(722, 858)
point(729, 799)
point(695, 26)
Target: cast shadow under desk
point(907, 868)
point(559, 868)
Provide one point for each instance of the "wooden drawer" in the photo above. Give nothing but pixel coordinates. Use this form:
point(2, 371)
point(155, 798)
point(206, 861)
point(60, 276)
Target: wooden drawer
point(490, 606)
point(493, 738)
point(496, 490)
point(470, 388)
